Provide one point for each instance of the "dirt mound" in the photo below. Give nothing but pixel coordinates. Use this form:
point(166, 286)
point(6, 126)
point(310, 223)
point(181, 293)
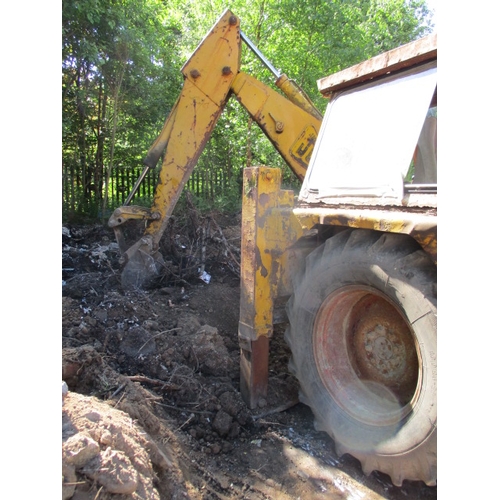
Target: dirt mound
point(110, 450)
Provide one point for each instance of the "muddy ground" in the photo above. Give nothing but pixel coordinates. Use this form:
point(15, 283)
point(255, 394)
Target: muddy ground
point(153, 409)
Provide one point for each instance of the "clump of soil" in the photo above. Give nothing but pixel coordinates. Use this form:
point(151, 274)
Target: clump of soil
point(109, 449)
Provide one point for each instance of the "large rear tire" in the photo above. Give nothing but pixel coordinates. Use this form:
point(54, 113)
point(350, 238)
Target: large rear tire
point(363, 340)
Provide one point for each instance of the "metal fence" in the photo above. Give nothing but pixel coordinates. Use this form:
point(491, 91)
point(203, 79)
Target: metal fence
point(82, 195)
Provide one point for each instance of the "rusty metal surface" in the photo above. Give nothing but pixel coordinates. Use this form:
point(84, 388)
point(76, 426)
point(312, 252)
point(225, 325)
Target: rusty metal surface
point(411, 54)
point(254, 371)
point(268, 228)
point(125, 213)
point(421, 225)
point(366, 355)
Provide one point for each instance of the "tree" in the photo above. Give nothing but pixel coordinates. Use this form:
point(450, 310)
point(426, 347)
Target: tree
point(114, 63)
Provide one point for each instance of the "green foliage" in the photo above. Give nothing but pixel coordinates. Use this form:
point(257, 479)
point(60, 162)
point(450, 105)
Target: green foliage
point(121, 64)
point(118, 65)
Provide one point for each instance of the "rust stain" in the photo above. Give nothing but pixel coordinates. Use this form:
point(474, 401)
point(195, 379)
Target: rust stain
point(262, 269)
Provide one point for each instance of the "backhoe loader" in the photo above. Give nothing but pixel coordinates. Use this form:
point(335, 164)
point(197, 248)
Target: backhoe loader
point(350, 265)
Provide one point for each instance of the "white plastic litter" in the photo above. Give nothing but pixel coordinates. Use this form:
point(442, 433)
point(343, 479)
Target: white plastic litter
point(205, 277)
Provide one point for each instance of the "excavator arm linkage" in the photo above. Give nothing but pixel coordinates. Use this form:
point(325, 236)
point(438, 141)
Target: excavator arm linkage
point(211, 76)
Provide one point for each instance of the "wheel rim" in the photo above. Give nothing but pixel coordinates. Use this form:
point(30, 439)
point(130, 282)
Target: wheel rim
point(366, 355)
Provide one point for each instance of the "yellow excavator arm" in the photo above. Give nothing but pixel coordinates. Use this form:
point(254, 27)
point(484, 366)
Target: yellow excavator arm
point(211, 76)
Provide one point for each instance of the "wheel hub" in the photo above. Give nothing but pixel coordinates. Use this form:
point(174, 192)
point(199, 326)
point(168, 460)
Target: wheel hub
point(382, 348)
point(364, 346)
point(382, 353)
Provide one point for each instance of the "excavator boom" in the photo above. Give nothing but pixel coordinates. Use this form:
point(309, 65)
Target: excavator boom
point(211, 76)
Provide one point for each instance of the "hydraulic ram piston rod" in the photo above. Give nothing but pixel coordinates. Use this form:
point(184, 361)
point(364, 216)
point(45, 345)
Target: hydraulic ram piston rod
point(260, 55)
point(289, 87)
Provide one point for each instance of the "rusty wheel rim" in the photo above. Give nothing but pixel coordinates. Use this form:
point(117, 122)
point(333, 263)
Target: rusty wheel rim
point(366, 355)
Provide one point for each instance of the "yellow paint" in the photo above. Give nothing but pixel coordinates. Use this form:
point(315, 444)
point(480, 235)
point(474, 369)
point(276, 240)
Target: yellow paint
point(298, 130)
point(420, 226)
point(268, 228)
point(211, 76)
